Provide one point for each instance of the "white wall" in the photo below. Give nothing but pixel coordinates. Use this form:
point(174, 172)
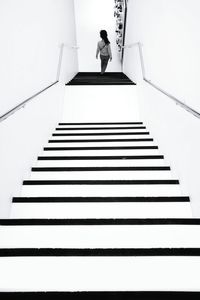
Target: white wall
point(91, 17)
point(171, 45)
point(31, 32)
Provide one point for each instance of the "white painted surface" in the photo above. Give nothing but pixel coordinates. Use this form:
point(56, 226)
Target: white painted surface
point(115, 236)
point(100, 210)
point(138, 130)
point(31, 32)
point(101, 190)
point(91, 17)
point(103, 273)
point(97, 125)
point(171, 53)
point(101, 175)
point(22, 137)
point(101, 104)
point(100, 152)
point(100, 163)
point(97, 144)
point(96, 137)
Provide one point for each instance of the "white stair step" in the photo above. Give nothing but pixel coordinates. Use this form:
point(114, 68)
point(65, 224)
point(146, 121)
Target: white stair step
point(100, 273)
point(101, 210)
point(65, 130)
point(99, 190)
point(81, 125)
point(101, 163)
point(104, 236)
point(65, 143)
point(101, 175)
point(59, 135)
point(100, 152)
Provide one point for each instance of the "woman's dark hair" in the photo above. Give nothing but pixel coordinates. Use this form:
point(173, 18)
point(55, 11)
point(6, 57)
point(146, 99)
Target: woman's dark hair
point(104, 36)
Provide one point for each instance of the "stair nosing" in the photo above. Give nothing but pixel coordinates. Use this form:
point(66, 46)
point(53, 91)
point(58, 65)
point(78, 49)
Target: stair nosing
point(101, 140)
point(101, 123)
point(91, 295)
point(175, 199)
point(99, 169)
point(101, 133)
point(19, 252)
point(125, 157)
point(101, 148)
point(101, 182)
point(99, 222)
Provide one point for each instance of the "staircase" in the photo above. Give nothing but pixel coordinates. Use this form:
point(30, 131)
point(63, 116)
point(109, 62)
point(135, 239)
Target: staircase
point(100, 216)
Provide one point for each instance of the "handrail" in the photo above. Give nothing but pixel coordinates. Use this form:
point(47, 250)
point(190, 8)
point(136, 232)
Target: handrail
point(177, 101)
point(23, 103)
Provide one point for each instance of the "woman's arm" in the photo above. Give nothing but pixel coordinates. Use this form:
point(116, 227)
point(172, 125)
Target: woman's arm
point(98, 50)
point(110, 52)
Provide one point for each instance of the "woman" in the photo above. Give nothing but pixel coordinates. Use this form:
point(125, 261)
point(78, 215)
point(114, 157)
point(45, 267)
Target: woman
point(104, 48)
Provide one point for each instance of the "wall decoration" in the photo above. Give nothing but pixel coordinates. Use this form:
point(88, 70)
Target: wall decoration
point(120, 13)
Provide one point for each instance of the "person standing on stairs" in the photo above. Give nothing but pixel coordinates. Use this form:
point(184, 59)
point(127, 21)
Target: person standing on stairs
point(103, 47)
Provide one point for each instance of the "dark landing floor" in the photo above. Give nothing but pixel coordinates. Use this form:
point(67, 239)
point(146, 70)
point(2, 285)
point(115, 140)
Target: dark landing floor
point(93, 78)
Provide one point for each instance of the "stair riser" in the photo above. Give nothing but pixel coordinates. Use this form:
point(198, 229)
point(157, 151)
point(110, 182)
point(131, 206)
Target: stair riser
point(51, 152)
point(101, 175)
point(122, 273)
point(54, 143)
point(61, 135)
point(101, 129)
point(101, 190)
point(104, 163)
point(100, 210)
point(102, 123)
point(150, 236)
point(99, 125)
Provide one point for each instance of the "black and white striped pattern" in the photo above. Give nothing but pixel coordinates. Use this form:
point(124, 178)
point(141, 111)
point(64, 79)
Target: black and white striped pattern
point(100, 198)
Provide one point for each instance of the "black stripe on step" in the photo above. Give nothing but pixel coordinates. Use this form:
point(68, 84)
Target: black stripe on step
point(91, 169)
point(109, 123)
point(97, 199)
point(100, 157)
point(99, 182)
point(19, 252)
point(100, 128)
point(118, 295)
point(101, 133)
point(101, 140)
point(101, 148)
point(97, 222)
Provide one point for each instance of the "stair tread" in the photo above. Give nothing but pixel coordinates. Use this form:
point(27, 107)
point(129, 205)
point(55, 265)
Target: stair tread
point(100, 128)
point(102, 123)
point(96, 210)
point(100, 140)
point(102, 133)
point(100, 274)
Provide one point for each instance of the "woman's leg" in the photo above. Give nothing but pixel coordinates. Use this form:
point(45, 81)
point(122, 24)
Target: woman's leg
point(104, 63)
